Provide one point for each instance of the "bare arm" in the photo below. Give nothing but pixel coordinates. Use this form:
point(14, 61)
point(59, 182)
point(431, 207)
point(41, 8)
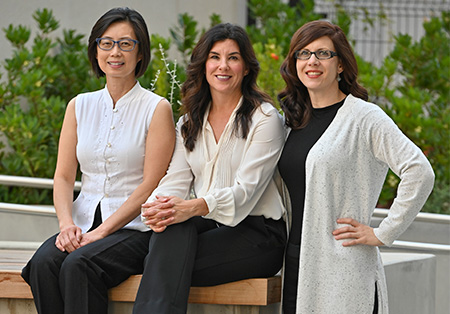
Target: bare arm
point(159, 147)
point(64, 180)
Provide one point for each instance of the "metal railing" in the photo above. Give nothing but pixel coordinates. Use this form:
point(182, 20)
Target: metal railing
point(425, 217)
point(48, 210)
point(41, 210)
point(40, 183)
point(421, 246)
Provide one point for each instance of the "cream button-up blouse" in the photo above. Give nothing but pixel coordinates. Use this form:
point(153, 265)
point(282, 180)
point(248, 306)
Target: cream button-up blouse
point(234, 176)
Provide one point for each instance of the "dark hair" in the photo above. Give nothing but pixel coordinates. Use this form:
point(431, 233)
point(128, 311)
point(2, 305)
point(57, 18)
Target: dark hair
point(196, 94)
point(294, 98)
point(140, 29)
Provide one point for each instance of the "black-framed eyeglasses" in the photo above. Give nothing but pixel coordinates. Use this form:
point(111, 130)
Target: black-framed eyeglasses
point(320, 54)
point(124, 44)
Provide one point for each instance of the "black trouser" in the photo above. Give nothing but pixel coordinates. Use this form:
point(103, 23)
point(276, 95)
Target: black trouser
point(291, 267)
point(290, 278)
point(200, 252)
point(78, 283)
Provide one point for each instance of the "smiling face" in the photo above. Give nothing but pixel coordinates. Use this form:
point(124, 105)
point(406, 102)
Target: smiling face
point(319, 76)
point(115, 63)
point(225, 68)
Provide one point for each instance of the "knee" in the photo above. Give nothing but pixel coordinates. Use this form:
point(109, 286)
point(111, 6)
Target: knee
point(46, 262)
point(43, 259)
point(178, 237)
point(74, 263)
point(175, 233)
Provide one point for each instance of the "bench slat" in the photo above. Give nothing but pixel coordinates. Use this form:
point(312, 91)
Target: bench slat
point(12, 285)
point(259, 291)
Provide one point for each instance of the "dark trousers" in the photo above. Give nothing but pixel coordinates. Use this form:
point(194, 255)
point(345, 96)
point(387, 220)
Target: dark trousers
point(78, 283)
point(291, 267)
point(200, 252)
point(290, 279)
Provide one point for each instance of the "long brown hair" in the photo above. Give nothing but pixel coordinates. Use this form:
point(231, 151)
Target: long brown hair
point(294, 98)
point(195, 91)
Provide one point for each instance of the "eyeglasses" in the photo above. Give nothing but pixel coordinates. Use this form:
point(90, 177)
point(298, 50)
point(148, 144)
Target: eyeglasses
point(124, 44)
point(320, 54)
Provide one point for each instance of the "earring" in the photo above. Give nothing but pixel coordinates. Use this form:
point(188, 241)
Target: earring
point(338, 78)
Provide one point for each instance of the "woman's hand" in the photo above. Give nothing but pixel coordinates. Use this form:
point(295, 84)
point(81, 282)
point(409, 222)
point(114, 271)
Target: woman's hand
point(358, 232)
point(157, 214)
point(90, 237)
point(169, 210)
point(68, 240)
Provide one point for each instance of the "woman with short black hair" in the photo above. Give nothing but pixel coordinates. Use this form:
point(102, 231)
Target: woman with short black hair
point(122, 137)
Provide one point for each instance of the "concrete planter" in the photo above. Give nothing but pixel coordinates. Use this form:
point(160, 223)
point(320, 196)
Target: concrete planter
point(428, 234)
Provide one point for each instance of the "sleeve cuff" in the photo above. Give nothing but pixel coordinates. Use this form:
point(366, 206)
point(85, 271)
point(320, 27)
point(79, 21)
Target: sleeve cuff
point(211, 202)
point(379, 234)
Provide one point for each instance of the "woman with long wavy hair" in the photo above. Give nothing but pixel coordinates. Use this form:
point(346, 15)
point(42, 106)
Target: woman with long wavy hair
point(217, 214)
point(334, 164)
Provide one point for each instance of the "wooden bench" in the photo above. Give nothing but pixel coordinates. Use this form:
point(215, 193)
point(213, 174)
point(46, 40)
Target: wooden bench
point(259, 295)
point(259, 291)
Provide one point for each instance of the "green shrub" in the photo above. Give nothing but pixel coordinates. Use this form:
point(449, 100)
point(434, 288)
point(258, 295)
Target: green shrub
point(275, 23)
point(40, 81)
point(411, 85)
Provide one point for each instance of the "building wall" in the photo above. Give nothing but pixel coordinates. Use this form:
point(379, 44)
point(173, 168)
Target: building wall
point(373, 43)
point(374, 40)
point(81, 15)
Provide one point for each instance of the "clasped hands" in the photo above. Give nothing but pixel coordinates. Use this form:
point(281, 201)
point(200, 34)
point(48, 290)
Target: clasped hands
point(358, 233)
point(165, 211)
point(70, 238)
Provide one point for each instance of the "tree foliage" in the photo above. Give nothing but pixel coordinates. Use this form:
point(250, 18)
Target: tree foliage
point(412, 85)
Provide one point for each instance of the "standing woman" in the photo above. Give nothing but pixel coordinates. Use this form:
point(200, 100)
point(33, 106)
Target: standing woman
point(228, 145)
point(334, 164)
point(122, 137)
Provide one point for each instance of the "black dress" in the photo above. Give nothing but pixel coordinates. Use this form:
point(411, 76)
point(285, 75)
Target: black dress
point(292, 169)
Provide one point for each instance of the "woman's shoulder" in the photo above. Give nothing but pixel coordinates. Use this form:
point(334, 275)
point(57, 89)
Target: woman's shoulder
point(267, 109)
point(363, 108)
point(87, 98)
point(148, 92)
point(148, 97)
point(94, 93)
point(268, 116)
point(367, 115)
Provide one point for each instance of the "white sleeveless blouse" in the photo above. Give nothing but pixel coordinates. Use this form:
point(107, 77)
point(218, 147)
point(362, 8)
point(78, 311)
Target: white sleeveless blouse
point(111, 151)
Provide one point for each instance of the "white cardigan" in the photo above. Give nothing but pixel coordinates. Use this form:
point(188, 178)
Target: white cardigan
point(345, 172)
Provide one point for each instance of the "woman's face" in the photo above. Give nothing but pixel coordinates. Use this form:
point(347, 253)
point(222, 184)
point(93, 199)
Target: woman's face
point(319, 76)
point(225, 69)
point(116, 63)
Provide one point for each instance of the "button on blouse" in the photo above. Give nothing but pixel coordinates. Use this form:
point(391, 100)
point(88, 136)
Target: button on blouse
point(111, 150)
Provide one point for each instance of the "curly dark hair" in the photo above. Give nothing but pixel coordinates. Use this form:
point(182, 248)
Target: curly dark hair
point(196, 94)
point(294, 98)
